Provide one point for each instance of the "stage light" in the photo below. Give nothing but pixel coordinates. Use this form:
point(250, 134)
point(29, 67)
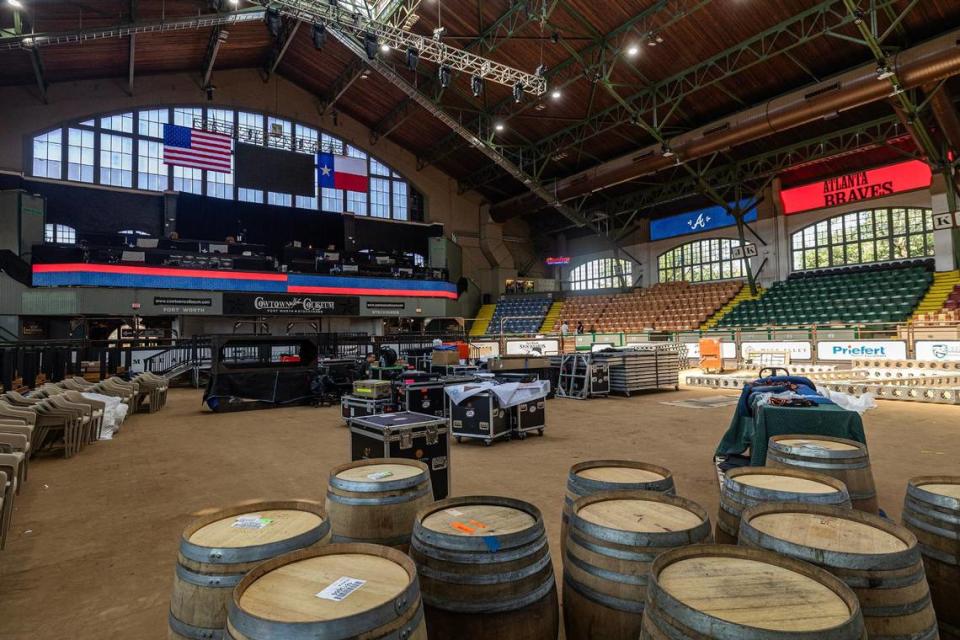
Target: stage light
point(370, 44)
point(555, 94)
point(476, 85)
point(499, 126)
point(385, 48)
point(413, 58)
point(633, 50)
point(518, 92)
point(541, 70)
point(16, 4)
point(884, 72)
point(444, 74)
point(319, 35)
point(666, 151)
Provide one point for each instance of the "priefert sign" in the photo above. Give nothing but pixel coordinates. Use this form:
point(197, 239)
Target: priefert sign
point(840, 350)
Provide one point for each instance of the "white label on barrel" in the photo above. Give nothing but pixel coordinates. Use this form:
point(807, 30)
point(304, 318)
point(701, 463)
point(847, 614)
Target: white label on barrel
point(454, 512)
point(251, 522)
point(340, 588)
point(379, 475)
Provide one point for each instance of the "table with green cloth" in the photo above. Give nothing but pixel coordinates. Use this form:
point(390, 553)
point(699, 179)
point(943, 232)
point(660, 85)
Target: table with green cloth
point(754, 432)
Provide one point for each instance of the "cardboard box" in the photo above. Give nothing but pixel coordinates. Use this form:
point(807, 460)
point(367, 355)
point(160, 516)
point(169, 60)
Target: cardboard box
point(518, 363)
point(444, 357)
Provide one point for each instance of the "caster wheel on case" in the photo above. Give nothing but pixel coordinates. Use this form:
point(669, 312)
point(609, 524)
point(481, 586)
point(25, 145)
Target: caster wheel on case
point(459, 439)
point(522, 435)
point(539, 432)
point(487, 443)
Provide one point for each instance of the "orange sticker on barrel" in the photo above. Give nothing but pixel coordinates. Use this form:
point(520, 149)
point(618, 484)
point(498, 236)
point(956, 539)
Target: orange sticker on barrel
point(478, 525)
point(462, 527)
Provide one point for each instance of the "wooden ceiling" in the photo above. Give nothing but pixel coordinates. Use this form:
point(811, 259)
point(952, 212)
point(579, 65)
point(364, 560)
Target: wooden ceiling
point(563, 37)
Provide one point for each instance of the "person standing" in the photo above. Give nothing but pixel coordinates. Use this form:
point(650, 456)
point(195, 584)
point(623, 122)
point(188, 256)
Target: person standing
point(579, 327)
point(564, 330)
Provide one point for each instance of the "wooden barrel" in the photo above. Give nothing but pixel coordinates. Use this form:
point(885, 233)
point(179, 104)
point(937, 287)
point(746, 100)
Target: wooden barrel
point(878, 559)
point(376, 500)
point(931, 511)
point(734, 593)
point(217, 549)
point(612, 540)
point(748, 486)
point(337, 592)
point(485, 570)
point(845, 460)
point(596, 476)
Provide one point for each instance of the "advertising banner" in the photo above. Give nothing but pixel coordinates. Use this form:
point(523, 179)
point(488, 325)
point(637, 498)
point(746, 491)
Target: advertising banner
point(715, 217)
point(533, 347)
point(799, 350)
point(938, 350)
point(857, 186)
point(842, 350)
point(238, 304)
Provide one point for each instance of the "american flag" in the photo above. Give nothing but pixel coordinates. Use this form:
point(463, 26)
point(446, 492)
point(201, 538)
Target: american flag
point(187, 147)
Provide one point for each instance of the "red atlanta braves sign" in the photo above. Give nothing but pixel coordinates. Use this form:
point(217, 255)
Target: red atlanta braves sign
point(857, 186)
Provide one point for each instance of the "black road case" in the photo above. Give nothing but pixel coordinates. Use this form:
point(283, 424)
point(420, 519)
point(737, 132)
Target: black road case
point(479, 417)
point(352, 407)
point(414, 436)
point(423, 397)
point(528, 416)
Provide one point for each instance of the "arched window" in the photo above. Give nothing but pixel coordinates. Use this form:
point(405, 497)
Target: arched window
point(126, 150)
point(59, 234)
point(701, 261)
point(604, 273)
point(877, 235)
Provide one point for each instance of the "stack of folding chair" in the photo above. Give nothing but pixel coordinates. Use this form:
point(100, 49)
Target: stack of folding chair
point(154, 387)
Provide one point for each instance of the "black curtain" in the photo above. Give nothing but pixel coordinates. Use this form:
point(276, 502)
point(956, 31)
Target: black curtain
point(99, 211)
point(379, 235)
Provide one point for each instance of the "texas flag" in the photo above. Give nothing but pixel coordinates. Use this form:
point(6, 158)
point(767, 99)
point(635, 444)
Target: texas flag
point(342, 172)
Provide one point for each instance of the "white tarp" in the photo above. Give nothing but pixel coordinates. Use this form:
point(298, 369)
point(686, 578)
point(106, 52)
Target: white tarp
point(114, 414)
point(508, 394)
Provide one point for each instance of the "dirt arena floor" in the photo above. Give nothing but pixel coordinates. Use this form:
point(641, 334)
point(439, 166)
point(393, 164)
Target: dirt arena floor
point(93, 543)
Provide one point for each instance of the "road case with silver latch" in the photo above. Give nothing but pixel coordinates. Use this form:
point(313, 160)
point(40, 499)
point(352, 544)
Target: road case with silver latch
point(415, 436)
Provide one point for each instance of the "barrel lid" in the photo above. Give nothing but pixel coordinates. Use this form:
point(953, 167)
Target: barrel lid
point(254, 528)
point(817, 443)
point(638, 515)
point(479, 519)
point(828, 532)
point(323, 588)
point(754, 593)
point(950, 490)
point(788, 483)
point(383, 472)
point(620, 475)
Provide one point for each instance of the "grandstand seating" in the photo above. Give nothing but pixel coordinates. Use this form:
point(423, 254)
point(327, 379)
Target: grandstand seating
point(948, 314)
point(878, 293)
point(521, 314)
point(673, 306)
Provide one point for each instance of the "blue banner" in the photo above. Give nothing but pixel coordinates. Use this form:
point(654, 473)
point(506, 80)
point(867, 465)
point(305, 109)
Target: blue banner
point(696, 221)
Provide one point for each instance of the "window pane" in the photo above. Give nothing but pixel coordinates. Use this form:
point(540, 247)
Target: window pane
point(220, 121)
point(47, 155)
point(249, 195)
point(279, 133)
point(250, 128)
point(192, 118)
point(151, 171)
point(122, 122)
point(150, 123)
point(332, 200)
point(357, 202)
point(116, 160)
point(377, 168)
point(187, 179)
point(220, 185)
point(279, 199)
point(379, 198)
point(80, 150)
point(400, 210)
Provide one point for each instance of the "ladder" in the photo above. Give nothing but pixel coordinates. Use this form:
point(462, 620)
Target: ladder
point(574, 380)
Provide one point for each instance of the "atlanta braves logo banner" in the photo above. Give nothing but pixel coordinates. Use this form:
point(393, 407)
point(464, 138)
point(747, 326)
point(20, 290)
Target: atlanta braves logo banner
point(696, 221)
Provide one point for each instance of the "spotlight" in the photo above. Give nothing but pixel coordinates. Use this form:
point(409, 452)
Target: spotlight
point(499, 126)
point(438, 33)
point(413, 58)
point(234, 2)
point(858, 16)
point(666, 151)
point(385, 48)
point(884, 72)
point(651, 42)
point(541, 70)
point(555, 94)
point(16, 4)
point(476, 85)
point(370, 44)
point(555, 37)
point(273, 21)
point(659, 38)
point(518, 92)
point(444, 75)
point(633, 50)
point(319, 35)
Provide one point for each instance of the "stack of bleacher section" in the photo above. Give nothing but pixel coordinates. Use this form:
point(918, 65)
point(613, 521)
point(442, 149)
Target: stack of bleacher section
point(522, 314)
point(643, 367)
point(852, 295)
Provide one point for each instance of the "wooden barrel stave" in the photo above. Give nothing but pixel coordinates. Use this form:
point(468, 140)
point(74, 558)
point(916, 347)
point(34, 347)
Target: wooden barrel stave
point(377, 511)
point(399, 616)
point(483, 576)
point(889, 580)
point(737, 494)
point(671, 617)
point(931, 511)
point(845, 460)
point(605, 567)
point(205, 575)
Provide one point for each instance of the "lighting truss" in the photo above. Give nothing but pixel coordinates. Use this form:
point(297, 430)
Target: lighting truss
point(358, 25)
point(34, 40)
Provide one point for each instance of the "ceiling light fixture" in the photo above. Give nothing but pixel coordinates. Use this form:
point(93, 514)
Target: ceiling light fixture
point(16, 4)
point(633, 50)
point(884, 72)
point(666, 151)
point(499, 126)
point(385, 48)
point(555, 94)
